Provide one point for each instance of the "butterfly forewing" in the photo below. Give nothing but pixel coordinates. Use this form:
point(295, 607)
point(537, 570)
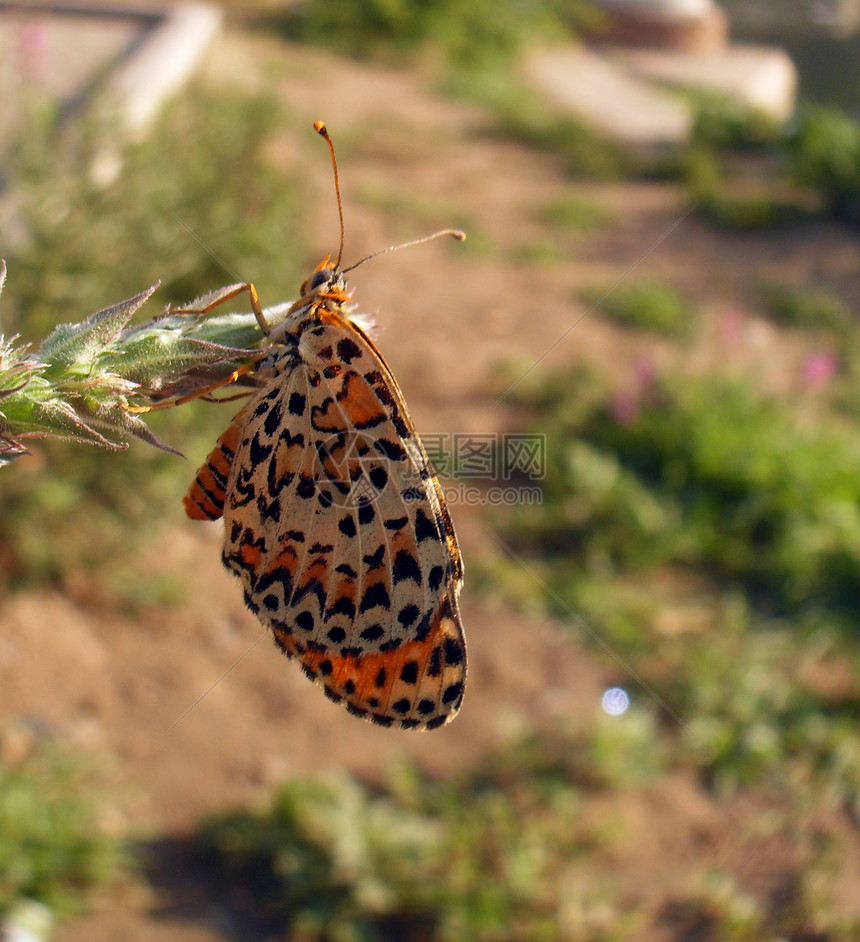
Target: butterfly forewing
point(337, 527)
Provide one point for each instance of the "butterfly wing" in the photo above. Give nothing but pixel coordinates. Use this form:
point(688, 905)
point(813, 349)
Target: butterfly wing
point(337, 527)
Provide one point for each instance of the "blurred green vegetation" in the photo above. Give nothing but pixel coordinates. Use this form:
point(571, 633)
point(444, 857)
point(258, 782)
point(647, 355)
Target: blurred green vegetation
point(181, 212)
point(571, 213)
point(519, 848)
point(824, 154)
point(815, 308)
point(496, 853)
point(721, 527)
point(649, 304)
point(462, 32)
point(54, 844)
point(763, 499)
point(747, 172)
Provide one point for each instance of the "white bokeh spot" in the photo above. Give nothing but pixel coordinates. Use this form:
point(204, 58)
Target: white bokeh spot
point(615, 701)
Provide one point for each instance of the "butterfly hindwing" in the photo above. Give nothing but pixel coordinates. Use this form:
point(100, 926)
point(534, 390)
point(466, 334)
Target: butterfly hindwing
point(205, 497)
point(337, 528)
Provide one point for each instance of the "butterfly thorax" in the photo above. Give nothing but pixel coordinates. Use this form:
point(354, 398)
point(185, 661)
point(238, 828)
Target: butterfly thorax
point(325, 292)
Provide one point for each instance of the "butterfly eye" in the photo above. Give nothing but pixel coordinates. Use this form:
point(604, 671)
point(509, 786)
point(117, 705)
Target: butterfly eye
point(319, 278)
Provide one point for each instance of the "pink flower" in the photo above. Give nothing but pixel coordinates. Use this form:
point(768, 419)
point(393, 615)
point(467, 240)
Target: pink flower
point(33, 48)
point(730, 324)
point(820, 367)
point(645, 373)
point(625, 403)
point(625, 407)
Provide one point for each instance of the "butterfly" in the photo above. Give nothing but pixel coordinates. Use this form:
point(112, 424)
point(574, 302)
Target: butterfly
point(335, 522)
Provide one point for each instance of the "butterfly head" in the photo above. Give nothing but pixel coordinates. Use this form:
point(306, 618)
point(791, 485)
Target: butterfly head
point(326, 283)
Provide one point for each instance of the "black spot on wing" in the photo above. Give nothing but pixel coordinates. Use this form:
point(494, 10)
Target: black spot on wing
point(375, 596)
point(273, 420)
point(434, 580)
point(346, 525)
point(425, 528)
point(373, 632)
point(343, 606)
point(434, 665)
point(407, 615)
point(306, 487)
point(392, 450)
point(454, 652)
point(258, 451)
point(305, 621)
point(366, 513)
point(348, 350)
point(406, 567)
point(378, 477)
point(376, 559)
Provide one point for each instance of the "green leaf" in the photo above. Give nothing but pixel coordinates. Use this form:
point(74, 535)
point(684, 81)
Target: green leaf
point(71, 345)
point(79, 384)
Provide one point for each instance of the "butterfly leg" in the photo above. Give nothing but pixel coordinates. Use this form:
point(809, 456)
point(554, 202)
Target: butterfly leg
point(197, 394)
point(228, 294)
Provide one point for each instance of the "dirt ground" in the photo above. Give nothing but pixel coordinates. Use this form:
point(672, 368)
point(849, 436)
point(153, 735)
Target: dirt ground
point(196, 715)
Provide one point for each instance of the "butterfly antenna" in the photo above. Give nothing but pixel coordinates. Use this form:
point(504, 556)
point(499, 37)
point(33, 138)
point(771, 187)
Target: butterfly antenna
point(457, 234)
point(322, 130)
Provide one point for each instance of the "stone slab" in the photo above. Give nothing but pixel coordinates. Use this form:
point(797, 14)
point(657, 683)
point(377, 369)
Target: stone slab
point(760, 77)
point(65, 55)
point(610, 98)
point(692, 25)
